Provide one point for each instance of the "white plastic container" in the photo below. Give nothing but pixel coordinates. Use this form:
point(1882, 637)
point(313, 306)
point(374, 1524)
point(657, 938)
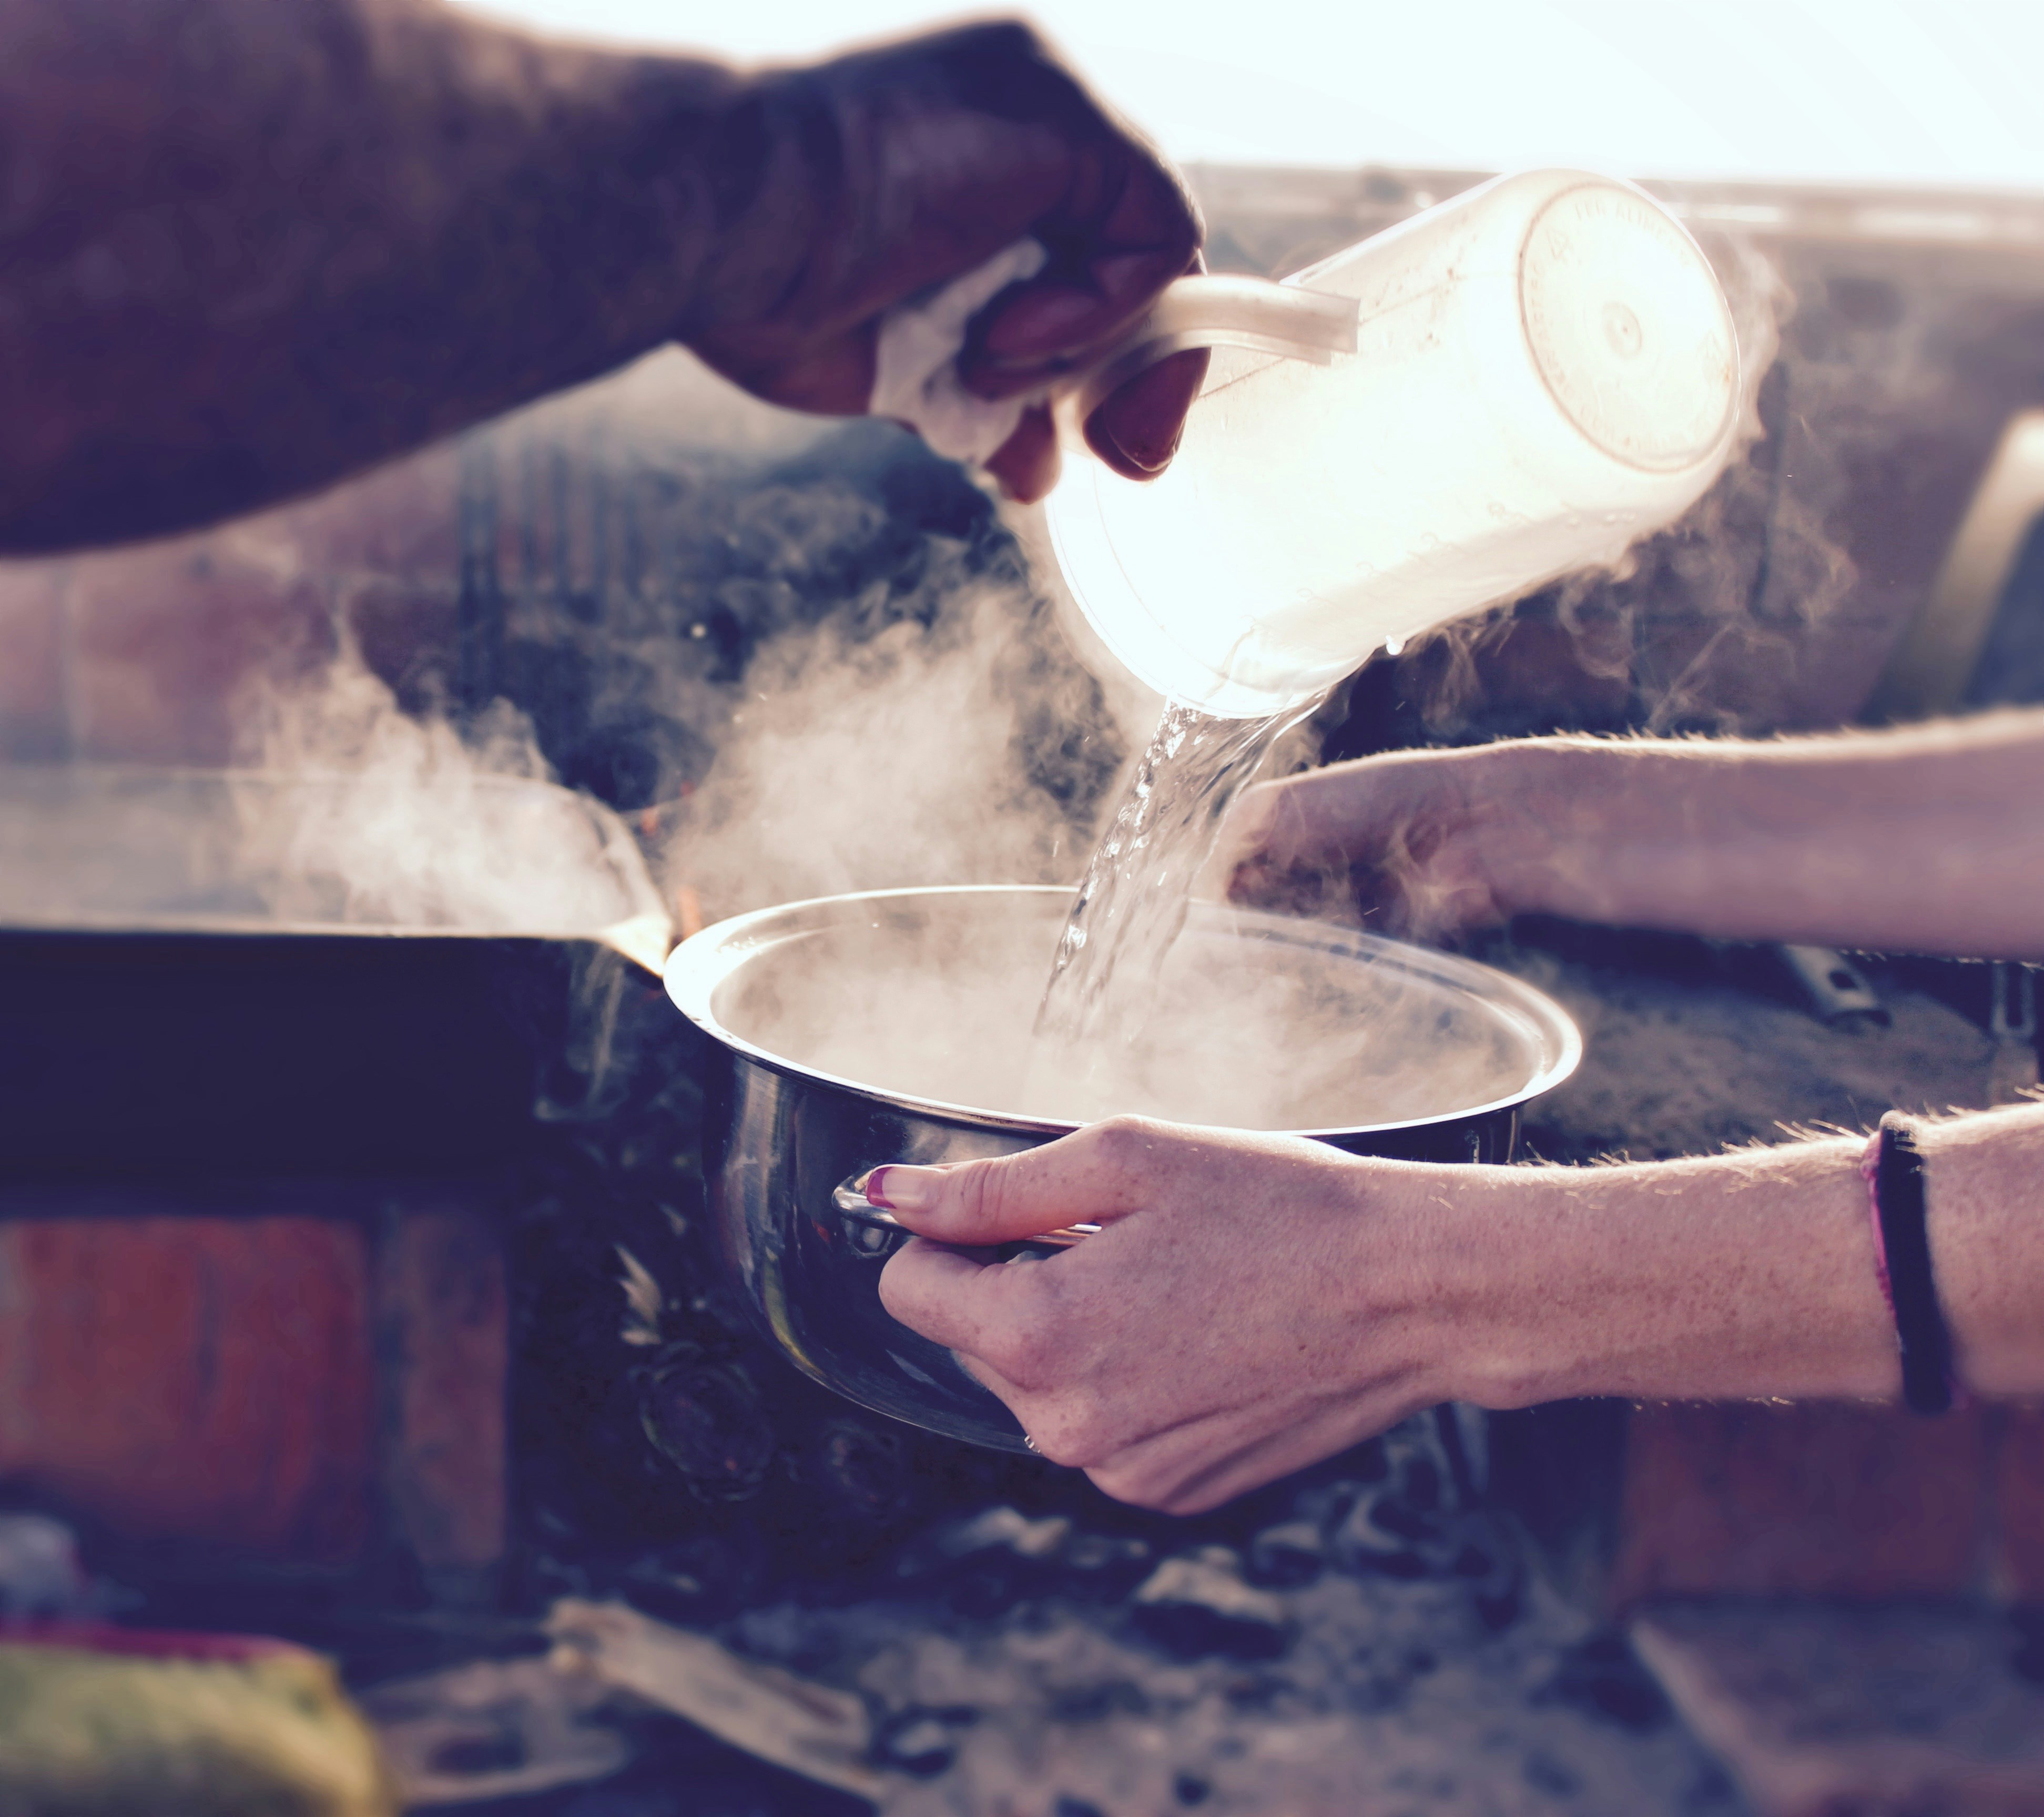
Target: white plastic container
point(1544, 370)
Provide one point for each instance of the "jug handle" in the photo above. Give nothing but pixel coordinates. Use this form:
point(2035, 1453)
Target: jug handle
point(860, 1212)
point(1206, 310)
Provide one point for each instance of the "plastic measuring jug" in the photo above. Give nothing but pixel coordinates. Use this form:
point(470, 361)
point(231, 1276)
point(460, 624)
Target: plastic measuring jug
point(1509, 388)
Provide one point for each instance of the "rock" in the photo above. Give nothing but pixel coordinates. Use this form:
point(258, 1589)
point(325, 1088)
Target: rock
point(1099, 1701)
point(493, 1729)
point(1005, 1529)
point(1602, 1677)
point(988, 1563)
point(1105, 1567)
point(814, 1729)
point(699, 1580)
point(1383, 1536)
point(1198, 1603)
point(922, 1742)
point(1286, 1555)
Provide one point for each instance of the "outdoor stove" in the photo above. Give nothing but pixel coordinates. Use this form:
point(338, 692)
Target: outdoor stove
point(470, 1398)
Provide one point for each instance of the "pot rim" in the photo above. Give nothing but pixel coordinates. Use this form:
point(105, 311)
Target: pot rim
point(706, 960)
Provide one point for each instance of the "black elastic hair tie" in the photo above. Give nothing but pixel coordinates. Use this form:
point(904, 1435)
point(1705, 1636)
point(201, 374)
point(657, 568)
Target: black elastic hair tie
point(1893, 1168)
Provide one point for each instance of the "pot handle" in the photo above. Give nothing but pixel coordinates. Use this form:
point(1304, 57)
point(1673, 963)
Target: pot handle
point(868, 1225)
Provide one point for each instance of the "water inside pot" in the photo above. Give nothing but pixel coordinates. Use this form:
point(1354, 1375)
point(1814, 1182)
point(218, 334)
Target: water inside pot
point(1262, 1023)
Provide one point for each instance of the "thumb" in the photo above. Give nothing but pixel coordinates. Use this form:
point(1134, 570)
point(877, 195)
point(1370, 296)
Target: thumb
point(1081, 1178)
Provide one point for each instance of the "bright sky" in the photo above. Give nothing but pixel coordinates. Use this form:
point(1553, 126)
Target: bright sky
point(1910, 91)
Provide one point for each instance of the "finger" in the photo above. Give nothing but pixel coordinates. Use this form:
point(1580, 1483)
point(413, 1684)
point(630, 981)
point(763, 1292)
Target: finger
point(1136, 431)
point(1285, 821)
point(951, 1299)
point(1109, 274)
point(1094, 1175)
point(1026, 464)
point(986, 1313)
point(1257, 858)
point(934, 1292)
point(1204, 1463)
point(1124, 229)
point(1345, 813)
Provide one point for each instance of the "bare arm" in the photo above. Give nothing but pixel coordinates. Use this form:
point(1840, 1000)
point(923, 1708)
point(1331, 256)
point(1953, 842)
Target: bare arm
point(247, 246)
point(1255, 1302)
point(1928, 839)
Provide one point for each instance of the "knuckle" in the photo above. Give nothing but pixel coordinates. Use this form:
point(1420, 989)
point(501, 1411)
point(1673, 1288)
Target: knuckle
point(995, 1184)
point(979, 1193)
point(1017, 37)
point(968, 1186)
point(1121, 1141)
point(1021, 1352)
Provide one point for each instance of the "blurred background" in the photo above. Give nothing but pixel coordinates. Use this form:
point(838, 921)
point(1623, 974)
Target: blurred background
point(1886, 92)
point(361, 1292)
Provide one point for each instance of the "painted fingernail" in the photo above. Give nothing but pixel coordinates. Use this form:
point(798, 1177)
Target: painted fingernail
point(902, 1188)
point(1151, 458)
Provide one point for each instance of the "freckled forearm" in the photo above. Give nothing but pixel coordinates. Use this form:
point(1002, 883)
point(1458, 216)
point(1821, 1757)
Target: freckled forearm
point(1735, 1277)
point(1741, 1276)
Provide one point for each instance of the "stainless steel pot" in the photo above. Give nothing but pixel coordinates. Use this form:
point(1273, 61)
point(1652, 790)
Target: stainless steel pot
point(792, 996)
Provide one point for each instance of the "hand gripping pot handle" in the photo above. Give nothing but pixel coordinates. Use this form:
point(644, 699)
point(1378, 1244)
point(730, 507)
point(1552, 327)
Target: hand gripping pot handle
point(1511, 387)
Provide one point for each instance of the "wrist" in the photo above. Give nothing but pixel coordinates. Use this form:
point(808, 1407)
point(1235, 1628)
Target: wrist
point(1733, 1277)
point(1499, 1246)
point(1438, 1269)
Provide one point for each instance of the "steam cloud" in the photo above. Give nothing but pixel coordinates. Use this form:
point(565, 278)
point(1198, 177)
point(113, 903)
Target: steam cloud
point(969, 750)
point(358, 814)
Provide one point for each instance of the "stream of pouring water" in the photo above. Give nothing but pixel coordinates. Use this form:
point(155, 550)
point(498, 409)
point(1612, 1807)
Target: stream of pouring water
point(1133, 900)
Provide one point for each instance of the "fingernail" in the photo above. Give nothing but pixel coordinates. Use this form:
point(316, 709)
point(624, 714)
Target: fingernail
point(1149, 462)
point(902, 1188)
point(1152, 460)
